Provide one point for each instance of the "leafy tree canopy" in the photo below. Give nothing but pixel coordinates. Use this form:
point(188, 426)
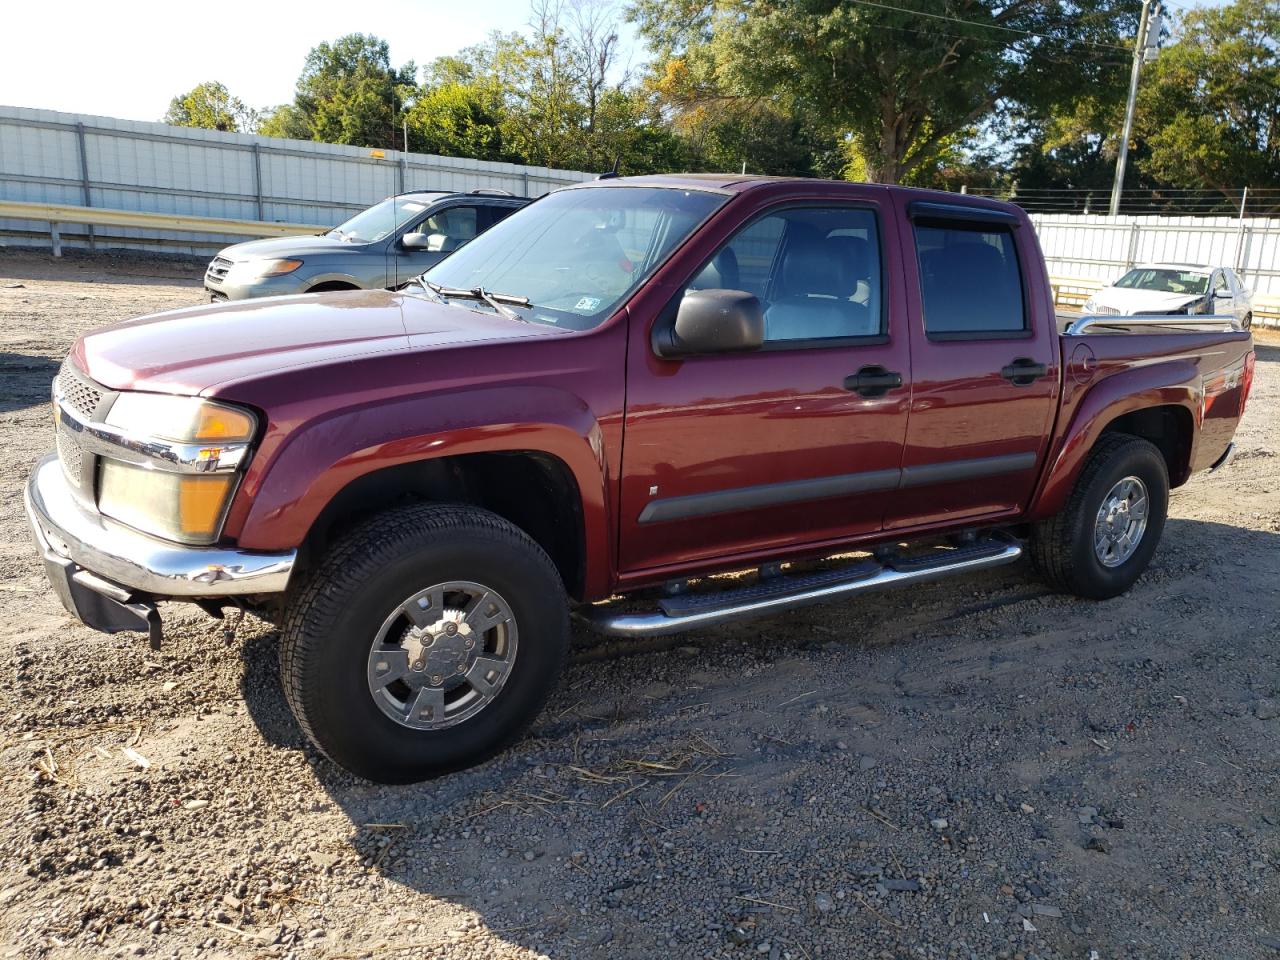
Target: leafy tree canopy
point(211, 106)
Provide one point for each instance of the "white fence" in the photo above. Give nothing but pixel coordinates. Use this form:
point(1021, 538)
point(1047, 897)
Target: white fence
point(1102, 248)
point(64, 158)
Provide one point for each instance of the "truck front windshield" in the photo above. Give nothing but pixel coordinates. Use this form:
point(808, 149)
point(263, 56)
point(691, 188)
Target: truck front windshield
point(382, 219)
point(1163, 280)
point(575, 255)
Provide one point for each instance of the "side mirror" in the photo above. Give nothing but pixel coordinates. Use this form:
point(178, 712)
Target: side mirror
point(415, 241)
point(712, 321)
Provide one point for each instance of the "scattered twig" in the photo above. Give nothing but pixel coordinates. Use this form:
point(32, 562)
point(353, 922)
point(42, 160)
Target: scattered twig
point(891, 826)
point(672, 792)
point(247, 934)
point(766, 903)
point(891, 922)
point(800, 697)
point(618, 796)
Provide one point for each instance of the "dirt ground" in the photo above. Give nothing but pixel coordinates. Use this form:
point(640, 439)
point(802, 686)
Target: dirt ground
point(974, 768)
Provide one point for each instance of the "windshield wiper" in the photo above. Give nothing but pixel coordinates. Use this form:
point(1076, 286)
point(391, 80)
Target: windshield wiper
point(495, 300)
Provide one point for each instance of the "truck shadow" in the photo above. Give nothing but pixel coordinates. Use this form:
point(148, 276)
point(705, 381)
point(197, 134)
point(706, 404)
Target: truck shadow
point(662, 774)
point(26, 380)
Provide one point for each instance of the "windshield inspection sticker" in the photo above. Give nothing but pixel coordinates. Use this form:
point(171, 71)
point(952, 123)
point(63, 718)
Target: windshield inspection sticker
point(588, 304)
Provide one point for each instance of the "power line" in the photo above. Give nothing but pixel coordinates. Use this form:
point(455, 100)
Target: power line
point(1104, 61)
point(985, 26)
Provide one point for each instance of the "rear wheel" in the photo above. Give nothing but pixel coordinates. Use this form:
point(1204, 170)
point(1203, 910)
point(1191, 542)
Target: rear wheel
point(1104, 538)
point(428, 639)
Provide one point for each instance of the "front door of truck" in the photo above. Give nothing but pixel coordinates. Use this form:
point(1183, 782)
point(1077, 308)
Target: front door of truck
point(751, 454)
point(984, 358)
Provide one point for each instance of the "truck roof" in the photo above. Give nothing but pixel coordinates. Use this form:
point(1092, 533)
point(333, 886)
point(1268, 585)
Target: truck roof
point(742, 183)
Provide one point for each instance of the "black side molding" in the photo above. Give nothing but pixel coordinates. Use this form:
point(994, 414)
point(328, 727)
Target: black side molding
point(767, 495)
point(925, 474)
point(933, 210)
point(822, 488)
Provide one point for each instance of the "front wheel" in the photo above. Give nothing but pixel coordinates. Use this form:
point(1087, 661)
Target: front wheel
point(1103, 539)
point(428, 639)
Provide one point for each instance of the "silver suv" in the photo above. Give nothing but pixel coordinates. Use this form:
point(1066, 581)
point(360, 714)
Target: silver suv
point(384, 246)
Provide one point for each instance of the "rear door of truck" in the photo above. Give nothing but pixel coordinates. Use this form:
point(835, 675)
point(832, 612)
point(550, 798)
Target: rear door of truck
point(984, 358)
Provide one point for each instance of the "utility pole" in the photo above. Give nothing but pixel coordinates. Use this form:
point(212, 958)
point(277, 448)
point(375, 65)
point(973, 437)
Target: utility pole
point(1145, 47)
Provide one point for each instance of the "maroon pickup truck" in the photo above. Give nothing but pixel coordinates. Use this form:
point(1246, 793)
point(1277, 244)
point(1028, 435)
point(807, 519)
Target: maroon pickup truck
point(626, 386)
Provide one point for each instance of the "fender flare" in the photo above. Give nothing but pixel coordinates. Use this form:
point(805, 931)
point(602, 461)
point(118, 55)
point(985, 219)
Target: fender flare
point(1171, 383)
point(285, 492)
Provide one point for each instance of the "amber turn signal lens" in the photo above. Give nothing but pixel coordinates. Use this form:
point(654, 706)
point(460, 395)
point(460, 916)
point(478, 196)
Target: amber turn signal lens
point(200, 503)
point(222, 423)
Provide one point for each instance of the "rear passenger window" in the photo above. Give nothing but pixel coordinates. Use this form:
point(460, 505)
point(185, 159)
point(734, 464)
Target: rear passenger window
point(816, 272)
point(970, 284)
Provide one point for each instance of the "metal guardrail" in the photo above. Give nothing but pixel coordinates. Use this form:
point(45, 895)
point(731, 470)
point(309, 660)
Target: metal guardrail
point(56, 213)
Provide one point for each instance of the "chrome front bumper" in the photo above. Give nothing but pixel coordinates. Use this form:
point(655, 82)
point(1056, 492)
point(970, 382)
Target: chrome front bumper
point(107, 555)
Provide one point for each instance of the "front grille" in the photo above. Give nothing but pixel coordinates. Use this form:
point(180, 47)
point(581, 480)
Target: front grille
point(79, 398)
point(79, 394)
point(217, 271)
point(1103, 311)
point(69, 455)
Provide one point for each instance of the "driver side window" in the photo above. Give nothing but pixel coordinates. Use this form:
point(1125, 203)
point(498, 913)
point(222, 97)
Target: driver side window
point(454, 226)
point(816, 272)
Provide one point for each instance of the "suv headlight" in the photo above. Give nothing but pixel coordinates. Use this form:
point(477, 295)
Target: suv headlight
point(260, 269)
point(1090, 306)
point(179, 465)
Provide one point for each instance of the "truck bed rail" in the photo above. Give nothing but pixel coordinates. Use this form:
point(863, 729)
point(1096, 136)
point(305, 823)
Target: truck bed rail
point(1180, 322)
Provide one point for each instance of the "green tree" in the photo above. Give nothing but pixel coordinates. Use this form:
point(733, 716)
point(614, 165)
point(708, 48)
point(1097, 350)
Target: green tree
point(460, 118)
point(210, 106)
point(1209, 109)
point(890, 86)
point(348, 93)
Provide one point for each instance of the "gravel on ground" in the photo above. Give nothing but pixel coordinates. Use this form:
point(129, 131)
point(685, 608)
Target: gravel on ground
point(975, 768)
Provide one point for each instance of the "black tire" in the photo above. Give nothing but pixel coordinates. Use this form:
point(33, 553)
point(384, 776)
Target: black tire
point(1062, 547)
point(331, 624)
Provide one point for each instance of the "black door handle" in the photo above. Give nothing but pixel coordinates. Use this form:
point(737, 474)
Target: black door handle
point(873, 381)
point(1023, 371)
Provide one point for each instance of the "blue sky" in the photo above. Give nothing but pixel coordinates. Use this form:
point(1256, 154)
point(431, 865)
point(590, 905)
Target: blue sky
point(128, 58)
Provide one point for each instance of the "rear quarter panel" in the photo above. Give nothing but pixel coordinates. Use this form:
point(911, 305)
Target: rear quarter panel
point(1108, 375)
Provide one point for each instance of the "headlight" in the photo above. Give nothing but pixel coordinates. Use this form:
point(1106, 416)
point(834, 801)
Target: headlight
point(1090, 305)
point(183, 454)
point(272, 268)
point(180, 419)
point(187, 507)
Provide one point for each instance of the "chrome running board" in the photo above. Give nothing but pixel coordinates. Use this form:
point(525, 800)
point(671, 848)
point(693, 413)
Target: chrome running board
point(786, 592)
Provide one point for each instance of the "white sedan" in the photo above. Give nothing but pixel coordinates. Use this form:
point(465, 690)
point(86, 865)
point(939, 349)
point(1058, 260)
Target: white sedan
point(1168, 288)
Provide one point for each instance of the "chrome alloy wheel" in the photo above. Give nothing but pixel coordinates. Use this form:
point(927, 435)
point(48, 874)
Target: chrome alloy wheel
point(1121, 522)
point(443, 655)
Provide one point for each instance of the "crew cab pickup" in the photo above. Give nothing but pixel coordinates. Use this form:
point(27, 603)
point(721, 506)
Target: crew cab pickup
point(618, 393)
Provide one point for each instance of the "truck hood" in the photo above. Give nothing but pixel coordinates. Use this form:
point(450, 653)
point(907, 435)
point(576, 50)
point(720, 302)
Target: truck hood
point(274, 248)
point(1127, 300)
point(194, 349)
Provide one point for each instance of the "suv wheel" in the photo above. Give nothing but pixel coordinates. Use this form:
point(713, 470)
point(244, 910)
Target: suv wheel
point(1103, 539)
point(428, 639)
